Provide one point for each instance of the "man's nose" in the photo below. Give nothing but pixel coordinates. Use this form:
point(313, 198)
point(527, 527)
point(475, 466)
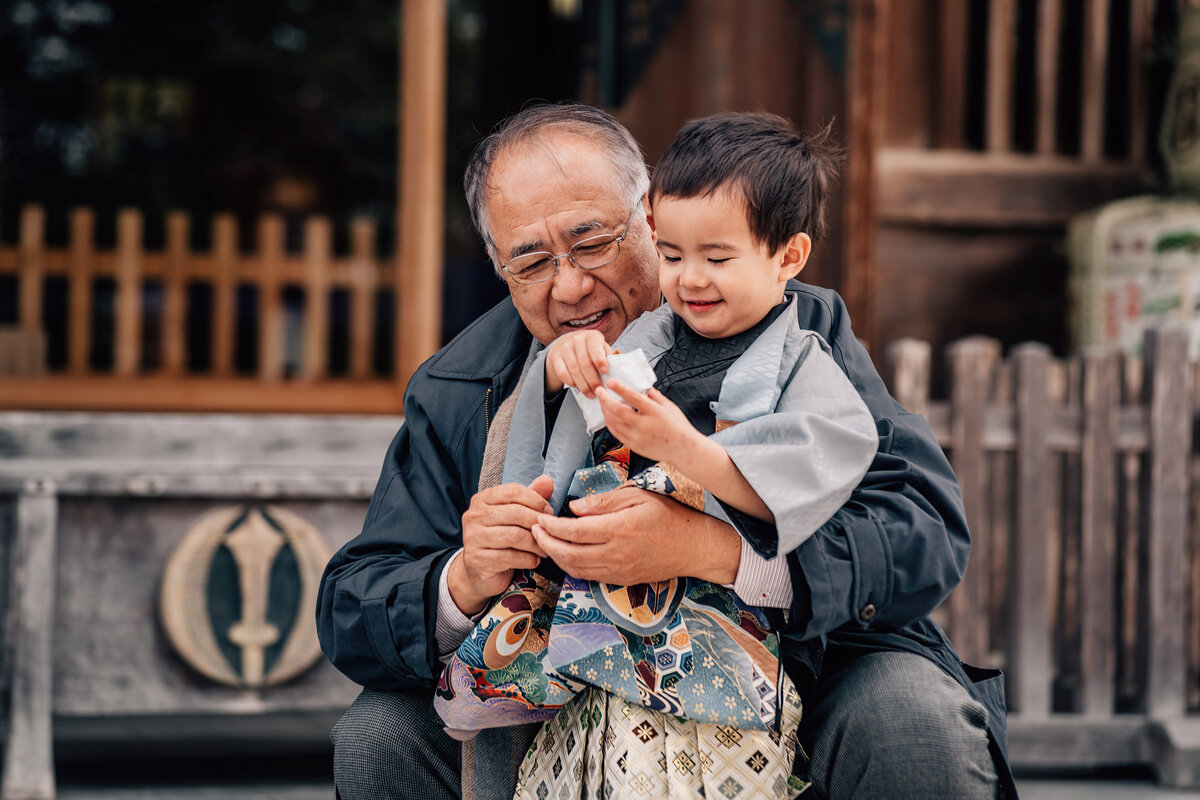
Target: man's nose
point(571, 284)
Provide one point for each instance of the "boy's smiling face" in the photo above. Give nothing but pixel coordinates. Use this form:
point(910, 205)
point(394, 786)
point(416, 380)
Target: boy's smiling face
point(712, 271)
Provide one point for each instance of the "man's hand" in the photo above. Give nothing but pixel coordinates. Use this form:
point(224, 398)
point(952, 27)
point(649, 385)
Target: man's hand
point(496, 541)
point(630, 535)
point(577, 359)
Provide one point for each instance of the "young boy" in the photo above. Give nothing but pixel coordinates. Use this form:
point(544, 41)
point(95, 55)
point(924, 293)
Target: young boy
point(751, 417)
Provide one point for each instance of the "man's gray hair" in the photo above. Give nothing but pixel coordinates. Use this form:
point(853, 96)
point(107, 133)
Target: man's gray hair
point(594, 124)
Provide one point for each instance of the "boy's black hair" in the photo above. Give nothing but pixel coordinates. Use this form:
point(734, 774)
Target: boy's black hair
point(784, 176)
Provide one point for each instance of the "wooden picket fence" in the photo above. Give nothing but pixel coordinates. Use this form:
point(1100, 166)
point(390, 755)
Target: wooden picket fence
point(169, 385)
point(1081, 484)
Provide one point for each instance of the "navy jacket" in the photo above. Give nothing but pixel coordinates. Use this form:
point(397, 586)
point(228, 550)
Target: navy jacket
point(866, 581)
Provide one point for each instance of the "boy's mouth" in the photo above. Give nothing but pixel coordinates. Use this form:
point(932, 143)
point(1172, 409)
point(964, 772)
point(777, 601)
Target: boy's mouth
point(701, 305)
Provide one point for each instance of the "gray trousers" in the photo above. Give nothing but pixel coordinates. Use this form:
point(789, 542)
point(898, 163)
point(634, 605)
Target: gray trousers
point(888, 725)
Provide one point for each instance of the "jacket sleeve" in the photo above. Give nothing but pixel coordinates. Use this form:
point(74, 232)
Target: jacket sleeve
point(899, 546)
point(377, 599)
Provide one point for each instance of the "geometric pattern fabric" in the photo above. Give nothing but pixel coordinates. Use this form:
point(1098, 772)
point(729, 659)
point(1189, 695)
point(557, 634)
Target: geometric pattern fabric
point(600, 747)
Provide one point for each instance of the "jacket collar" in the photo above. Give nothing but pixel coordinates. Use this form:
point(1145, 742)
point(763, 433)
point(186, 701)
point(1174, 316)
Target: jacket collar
point(486, 348)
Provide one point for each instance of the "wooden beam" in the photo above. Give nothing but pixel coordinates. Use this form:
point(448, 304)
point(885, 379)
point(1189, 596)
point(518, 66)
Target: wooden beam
point(419, 223)
point(197, 393)
point(987, 190)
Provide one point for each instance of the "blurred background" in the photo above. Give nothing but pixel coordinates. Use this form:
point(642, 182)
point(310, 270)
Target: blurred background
point(256, 209)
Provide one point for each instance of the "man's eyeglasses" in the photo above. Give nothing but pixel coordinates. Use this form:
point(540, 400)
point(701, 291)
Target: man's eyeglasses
point(590, 253)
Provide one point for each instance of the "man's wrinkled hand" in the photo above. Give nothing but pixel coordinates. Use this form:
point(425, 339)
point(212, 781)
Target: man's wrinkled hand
point(633, 536)
point(497, 540)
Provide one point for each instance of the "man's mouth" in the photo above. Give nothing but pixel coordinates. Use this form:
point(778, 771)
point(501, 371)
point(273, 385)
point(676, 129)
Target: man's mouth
point(583, 322)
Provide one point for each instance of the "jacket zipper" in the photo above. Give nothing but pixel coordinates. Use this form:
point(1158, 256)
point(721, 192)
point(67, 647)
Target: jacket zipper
point(487, 412)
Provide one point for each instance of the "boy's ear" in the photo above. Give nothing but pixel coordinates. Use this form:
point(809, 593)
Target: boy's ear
point(795, 255)
point(649, 215)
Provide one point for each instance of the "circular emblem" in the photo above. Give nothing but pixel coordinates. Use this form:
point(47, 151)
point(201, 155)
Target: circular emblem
point(641, 608)
point(238, 595)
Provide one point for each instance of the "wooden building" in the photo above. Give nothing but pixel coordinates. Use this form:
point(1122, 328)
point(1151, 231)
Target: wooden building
point(973, 132)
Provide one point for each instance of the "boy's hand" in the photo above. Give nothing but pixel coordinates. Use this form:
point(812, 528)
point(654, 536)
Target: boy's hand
point(650, 424)
point(577, 359)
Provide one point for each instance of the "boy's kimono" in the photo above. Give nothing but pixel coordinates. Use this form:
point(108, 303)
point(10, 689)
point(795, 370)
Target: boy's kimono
point(797, 430)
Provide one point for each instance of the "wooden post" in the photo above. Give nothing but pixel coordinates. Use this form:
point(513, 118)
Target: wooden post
point(363, 275)
point(1099, 464)
point(971, 364)
point(864, 119)
point(29, 753)
point(1164, 532)
point(1140, 19)
point(1095, 58)
point(318, 252)
point(953, 37)
point(33, 267)
point(1029, 627)
point(79, 291)
point(1002, 51)
point(174, 294)
point(128, 335)
point(224, 287)
point(1048, 30)
point(270, 297)
point(419, 224)
point(909, 360)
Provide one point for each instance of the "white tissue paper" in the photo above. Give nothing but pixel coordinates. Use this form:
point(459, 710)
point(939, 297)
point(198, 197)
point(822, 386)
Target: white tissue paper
point(631, 369)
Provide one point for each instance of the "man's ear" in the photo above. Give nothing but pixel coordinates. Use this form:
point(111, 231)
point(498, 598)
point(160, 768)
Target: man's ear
point(795, 255)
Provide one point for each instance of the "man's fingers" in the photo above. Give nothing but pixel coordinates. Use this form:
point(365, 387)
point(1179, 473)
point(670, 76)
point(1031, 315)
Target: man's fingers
point(505, 537)
point(511, 494)
point(544, 486)
point(606, 502)
point(575, 531)
point(500, 560)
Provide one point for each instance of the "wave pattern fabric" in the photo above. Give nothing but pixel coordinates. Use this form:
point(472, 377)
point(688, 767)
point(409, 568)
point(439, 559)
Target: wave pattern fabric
point(683, 647)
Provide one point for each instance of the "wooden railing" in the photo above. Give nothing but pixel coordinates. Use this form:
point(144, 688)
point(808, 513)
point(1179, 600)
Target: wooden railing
point(1082, 490)
point(149, 364)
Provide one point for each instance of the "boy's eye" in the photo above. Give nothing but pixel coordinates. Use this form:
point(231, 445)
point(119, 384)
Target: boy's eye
point(720, 260)
point(667, 258)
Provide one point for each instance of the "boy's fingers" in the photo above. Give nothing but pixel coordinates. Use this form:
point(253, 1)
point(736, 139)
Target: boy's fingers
point(626, 393)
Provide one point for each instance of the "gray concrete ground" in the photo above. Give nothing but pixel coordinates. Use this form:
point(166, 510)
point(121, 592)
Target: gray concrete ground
point(1031, 789)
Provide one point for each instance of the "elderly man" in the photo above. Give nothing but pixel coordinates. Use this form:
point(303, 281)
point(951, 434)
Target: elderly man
point(889, 710)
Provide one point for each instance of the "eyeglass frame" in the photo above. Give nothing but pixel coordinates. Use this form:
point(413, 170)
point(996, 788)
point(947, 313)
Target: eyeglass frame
point(570, 254)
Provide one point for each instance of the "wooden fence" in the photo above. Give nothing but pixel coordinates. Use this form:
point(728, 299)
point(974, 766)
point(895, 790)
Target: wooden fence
point(166, 382)
point(1082, 489)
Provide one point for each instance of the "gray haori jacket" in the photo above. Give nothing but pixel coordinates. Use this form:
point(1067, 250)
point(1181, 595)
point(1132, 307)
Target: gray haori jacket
point(803, 438)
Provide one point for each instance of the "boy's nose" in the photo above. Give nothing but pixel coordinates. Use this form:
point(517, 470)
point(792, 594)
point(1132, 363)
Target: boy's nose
point(693, 275)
